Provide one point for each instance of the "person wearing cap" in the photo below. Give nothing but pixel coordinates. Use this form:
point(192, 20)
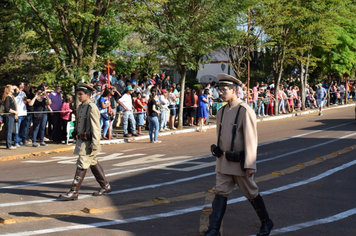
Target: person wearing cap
point(321, 96)
point(87, 130)
point(236, 154)
point(56, 105)
point(126, 102)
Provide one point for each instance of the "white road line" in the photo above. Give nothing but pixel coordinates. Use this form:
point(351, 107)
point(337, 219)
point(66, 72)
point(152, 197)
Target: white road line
point(146, 168)
point(304, 134)
point(152, 167)
point(304, 149)
point(326, 220)
point(111, 193)
point(92, 177)
point(179, 212)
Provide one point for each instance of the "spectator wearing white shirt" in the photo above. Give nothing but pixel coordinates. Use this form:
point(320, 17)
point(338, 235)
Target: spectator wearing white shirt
point(164, 108)
point(342, 93)
point(126, 102)
point(21, 101)
point(215, 91)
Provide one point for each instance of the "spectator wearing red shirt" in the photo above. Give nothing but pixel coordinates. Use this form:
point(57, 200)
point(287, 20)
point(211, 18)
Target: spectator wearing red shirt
point(191, 102)
point(141, 107)
point(66, 115)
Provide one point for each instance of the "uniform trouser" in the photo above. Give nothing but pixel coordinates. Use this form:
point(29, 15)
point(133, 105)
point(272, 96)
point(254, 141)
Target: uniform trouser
point(226, 183)
point(85, 161)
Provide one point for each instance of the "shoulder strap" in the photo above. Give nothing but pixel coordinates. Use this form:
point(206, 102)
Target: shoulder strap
point(234, 129)
point(221, 119)
point(86, 118)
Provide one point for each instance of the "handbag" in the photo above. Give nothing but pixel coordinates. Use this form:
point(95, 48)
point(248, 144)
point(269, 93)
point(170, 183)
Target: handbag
point(267, 100)
point(105, 116)
point(2, 110)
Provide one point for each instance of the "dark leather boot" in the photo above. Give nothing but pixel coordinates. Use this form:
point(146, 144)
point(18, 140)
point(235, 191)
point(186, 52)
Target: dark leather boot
point(266, 222)
point(215, 218)
point(77, 182)
point(98, 172)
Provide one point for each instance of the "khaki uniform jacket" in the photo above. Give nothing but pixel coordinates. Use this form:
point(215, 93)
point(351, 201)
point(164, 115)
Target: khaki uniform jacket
point(93, 126)
point(245, 139)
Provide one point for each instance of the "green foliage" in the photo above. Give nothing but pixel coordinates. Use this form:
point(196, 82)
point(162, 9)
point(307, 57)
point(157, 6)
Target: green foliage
point(126, 65)
point(148, 64)
point(68, 35)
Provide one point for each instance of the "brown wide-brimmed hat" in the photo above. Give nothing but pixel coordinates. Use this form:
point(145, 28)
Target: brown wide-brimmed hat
point(226, 80)
point(84, 86)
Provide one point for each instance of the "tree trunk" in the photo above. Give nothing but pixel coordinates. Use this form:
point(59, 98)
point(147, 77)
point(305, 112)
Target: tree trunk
point(279, 71)
point(302, 85)
point(183, 73)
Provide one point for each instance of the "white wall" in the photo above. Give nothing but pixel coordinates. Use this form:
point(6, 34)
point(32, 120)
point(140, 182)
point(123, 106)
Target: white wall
point(218, 64)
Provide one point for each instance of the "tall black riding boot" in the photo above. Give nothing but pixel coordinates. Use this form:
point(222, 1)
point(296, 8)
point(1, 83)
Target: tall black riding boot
point(215, 218)
point(98, 172)
point(77, 182)
point(266, 222)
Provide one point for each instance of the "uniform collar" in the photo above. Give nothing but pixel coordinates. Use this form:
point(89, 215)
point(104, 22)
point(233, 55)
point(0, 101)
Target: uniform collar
point(235, 102)
point(86, 102)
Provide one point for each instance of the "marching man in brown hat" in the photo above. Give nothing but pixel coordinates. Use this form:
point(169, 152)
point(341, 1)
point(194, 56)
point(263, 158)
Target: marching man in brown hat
point(236, 152)
point(87, 130)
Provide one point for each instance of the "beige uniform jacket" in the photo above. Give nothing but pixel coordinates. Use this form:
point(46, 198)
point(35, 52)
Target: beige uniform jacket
point(92, 125)
point(245, 139)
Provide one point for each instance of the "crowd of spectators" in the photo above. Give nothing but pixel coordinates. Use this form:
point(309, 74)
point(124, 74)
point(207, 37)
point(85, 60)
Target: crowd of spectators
point(262, 97)
point(146, 103)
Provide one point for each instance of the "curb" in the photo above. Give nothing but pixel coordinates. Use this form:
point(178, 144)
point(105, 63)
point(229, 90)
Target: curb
point(23, 156)
point(189, 130)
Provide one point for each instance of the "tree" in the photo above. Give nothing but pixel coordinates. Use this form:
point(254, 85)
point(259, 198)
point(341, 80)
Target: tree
point(184, 31)
point(241, 32)
point(276, 18)
point(73, 30)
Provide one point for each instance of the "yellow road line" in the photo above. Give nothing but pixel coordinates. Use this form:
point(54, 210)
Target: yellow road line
point(204, 217)
point(209, 196)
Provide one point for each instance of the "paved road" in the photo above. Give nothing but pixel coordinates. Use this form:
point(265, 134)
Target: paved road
point(306, 173)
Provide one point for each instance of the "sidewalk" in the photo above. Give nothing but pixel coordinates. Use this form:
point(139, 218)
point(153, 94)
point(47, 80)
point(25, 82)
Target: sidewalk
point(28, 152)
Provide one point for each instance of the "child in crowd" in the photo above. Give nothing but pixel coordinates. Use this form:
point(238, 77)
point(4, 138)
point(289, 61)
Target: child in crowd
point(66, 115)
point(299, 103)
point(141, 109)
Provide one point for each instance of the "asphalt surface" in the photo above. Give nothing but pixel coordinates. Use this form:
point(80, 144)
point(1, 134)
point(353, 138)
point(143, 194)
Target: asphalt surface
point(306, 171)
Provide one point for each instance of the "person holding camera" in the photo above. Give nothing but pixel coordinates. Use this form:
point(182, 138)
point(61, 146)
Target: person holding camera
point(39, 103)
point(10, 118)
point(236, 154)
point(153, 112)
point(87, 131)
